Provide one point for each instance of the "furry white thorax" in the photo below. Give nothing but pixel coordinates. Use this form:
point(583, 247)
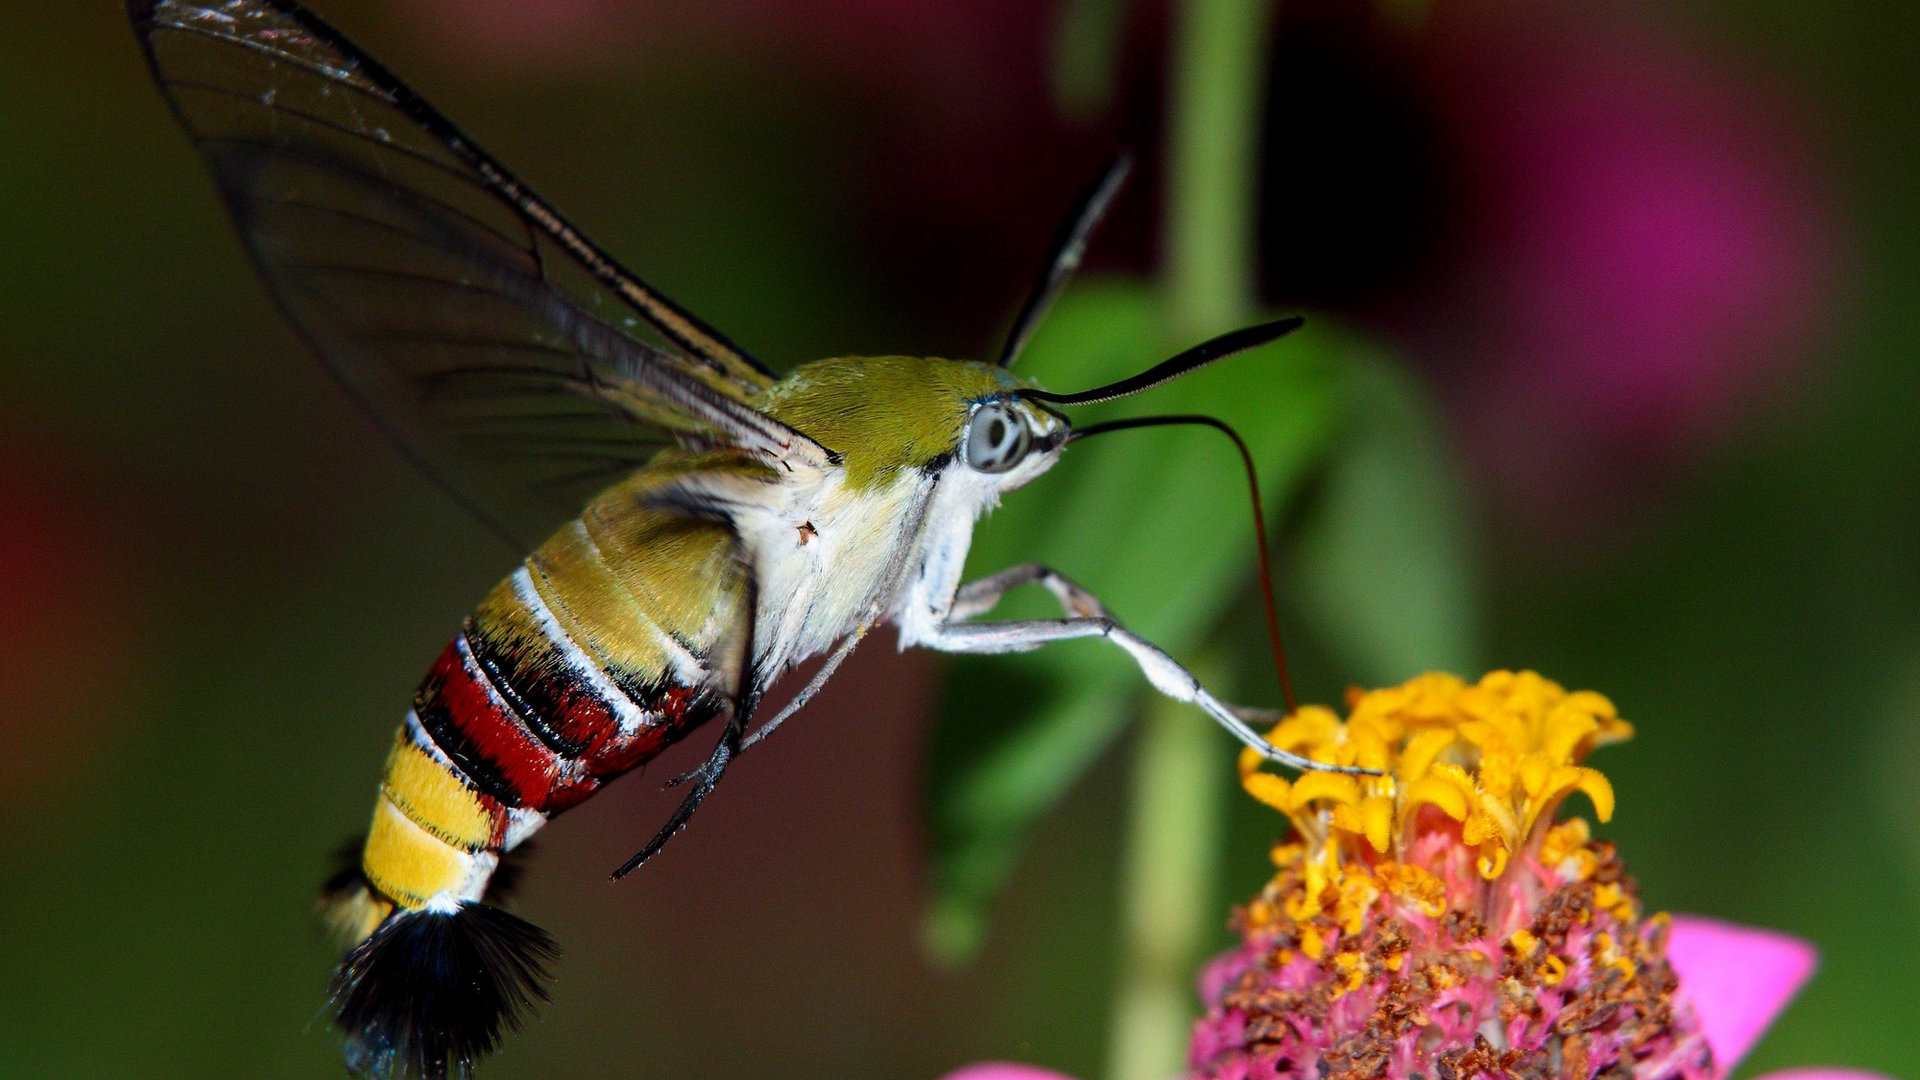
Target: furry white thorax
point(830, 559)
point(824, 560)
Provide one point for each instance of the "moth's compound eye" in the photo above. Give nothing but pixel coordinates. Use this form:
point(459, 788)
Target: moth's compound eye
point(997, 439)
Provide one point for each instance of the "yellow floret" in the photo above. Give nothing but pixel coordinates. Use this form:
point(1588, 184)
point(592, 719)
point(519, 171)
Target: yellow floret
point(1498, 758)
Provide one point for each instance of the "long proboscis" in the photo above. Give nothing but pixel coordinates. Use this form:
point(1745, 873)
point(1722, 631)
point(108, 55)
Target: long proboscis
point(1259, 518)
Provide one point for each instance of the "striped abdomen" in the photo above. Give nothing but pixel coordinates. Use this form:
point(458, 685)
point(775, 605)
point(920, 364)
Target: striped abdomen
point(612, 641)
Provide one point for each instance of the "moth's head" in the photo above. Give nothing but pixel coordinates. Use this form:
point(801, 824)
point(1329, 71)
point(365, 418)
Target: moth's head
point(1011, 439)
point(887, 415)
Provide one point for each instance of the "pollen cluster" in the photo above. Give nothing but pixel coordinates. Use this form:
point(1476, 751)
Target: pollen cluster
point(1436, 921)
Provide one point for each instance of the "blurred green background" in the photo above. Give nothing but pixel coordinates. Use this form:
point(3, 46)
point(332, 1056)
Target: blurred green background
point(1611, 373)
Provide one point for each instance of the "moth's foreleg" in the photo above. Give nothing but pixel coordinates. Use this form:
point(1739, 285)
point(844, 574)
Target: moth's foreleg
point(799, 701)
point(745, 698)
point(978, 597)
point(1163, 671)
point(813, 686)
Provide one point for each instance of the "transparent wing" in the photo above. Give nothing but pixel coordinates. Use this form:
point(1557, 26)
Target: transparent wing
point(507, 354)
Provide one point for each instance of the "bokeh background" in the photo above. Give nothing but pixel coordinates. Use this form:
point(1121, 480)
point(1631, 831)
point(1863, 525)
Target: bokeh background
point(1612, 373)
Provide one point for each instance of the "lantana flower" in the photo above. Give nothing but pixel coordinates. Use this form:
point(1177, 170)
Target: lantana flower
point(1439, 920)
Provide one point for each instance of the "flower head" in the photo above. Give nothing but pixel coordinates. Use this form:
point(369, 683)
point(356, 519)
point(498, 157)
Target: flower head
point(1436, 920)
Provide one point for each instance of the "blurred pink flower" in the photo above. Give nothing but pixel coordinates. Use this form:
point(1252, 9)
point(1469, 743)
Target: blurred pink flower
point(1645, 247)
point(1737, 979)
point(1004, 1070)
point(64, 615)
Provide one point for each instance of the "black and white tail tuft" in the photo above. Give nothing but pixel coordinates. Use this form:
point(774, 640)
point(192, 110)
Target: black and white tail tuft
point(432, 991)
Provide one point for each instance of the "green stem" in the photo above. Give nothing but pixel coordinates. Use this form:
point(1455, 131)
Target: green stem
point(1218, 84)
point(1174, 830)
point(1174, 823)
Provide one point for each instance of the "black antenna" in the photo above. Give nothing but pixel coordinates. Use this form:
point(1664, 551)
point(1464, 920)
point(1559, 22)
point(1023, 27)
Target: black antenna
point(1193, 359)
point(1259, 521)
point(1069, 247)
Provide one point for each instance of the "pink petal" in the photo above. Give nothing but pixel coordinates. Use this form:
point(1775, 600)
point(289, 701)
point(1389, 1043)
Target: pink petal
point(1823, 1074)
point(1738, 979)
point(1004, 1070)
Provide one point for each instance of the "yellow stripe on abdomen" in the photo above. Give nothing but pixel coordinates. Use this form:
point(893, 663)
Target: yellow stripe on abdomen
point(432, 834)
point(435, 799)
point(410, 864)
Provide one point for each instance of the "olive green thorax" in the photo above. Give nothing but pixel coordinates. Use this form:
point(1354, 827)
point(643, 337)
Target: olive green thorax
point(882, 414)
